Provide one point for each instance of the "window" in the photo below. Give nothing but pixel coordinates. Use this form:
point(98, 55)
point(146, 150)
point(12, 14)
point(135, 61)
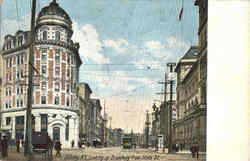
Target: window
point(68, 59)
point(45, 35)
point(6, 105)
point(44, 122)
point(58, 36)
point(44, 55)
point(21, 90)
point(57, 71)
point(18, 59)
point(44, 69)
point(57, 86)
point(7, 76)
point(9, 91)
point(17, 75)
point(21, 103)
point(67, 103)
point(9, 44)
point(72, 60)
point(22, 58)
point(68, 88)
point(20, 40)
point(10, 62)
point(9, 103)
point(33, 100)
point(7, 63)
point(17, 90)
point(8, 120)
point(22, 76)
point(43, 85)
point(68, 72)
point(57, 56)
point(56, 100)
point(10, 76)
point(17, 103)
point(43, 100)
point(20, 120)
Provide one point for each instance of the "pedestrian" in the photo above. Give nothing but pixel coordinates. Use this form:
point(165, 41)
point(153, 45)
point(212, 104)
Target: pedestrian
point(4, 145)
point(58, 148)
point(22, 142)
point(72, 143)
point(192, 150)
point(50, 146)
point(197, 151)
point(18, 145)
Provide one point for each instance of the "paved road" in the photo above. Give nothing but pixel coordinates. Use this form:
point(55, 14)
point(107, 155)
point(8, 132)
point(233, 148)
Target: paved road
point(109, 154)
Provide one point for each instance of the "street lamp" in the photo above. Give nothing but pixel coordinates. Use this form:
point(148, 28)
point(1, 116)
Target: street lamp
point(156, 112)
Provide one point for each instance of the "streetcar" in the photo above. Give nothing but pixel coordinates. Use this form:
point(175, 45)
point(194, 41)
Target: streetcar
point(127, 142)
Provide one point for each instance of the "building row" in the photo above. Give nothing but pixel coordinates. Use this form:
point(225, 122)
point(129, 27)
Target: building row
point(189, 105)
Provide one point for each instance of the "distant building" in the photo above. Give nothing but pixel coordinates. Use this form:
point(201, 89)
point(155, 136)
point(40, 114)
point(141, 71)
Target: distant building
point(84, 93)
point(57, 62)
point(95, 120)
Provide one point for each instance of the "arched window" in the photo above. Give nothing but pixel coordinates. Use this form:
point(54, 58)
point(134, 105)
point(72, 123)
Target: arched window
point(45, 35)
point(58, 36)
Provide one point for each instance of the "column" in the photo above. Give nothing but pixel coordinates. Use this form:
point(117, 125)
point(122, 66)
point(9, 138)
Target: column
point(37, 122)
point(13, 128)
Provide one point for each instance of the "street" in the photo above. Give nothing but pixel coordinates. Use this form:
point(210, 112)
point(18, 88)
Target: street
point(108, 154)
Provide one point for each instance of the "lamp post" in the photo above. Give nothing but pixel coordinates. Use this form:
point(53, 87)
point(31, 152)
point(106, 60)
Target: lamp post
point(156, 112)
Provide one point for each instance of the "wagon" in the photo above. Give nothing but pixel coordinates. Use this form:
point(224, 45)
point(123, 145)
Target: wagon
point(40, 143)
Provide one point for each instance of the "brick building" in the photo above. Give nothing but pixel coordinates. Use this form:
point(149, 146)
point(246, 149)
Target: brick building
point(57, 61)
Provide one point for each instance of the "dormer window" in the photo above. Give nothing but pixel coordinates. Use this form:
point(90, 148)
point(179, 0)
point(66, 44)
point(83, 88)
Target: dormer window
point(9, 44)
point(20, 40)
point(45, 34)
point(58, 36)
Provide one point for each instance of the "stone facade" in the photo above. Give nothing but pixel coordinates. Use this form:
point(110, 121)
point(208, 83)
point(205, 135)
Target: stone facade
point(57, 61)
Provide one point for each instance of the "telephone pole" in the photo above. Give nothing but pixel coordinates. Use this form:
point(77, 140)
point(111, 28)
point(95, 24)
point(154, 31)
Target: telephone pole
point(170, 65)
point(28, 134)
point(163, 119)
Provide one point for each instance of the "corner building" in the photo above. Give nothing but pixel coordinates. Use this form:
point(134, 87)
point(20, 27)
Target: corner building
point(57, 61)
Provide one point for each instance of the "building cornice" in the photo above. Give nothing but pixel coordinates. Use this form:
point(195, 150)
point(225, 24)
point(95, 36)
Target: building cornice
point(33, 108)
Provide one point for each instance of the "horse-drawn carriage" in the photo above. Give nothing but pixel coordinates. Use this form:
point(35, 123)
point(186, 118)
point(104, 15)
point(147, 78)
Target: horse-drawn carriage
point(41, 143)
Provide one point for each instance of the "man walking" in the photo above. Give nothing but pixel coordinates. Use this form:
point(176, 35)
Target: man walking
point(58, 148)
point(4, 145)
point(18, 145)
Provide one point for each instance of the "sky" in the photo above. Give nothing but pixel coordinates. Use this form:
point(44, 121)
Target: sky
point(124, 47)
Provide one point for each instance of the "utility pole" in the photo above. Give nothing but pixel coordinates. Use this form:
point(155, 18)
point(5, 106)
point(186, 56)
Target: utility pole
point(171, 65)
point(165, 113)
point(147, 129)
point(28, 134)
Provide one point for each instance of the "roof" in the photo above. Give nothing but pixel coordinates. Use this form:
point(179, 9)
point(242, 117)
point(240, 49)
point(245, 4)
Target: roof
point(192, 53)
point(54, 10)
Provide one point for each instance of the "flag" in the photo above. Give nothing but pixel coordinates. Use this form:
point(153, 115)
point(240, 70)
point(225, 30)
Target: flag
point(180, 14)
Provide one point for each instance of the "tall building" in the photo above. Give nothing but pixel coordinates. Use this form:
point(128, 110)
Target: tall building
point(190, 126)
point(57, 61)
point(84, 93)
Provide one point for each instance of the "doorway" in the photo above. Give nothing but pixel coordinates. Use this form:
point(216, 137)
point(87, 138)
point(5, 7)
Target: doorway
point(56, 133)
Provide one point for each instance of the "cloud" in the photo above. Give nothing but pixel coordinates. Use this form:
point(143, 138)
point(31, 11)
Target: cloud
point(172, 50)
point(90, 44)
point(11, 26)
point(119, 45)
